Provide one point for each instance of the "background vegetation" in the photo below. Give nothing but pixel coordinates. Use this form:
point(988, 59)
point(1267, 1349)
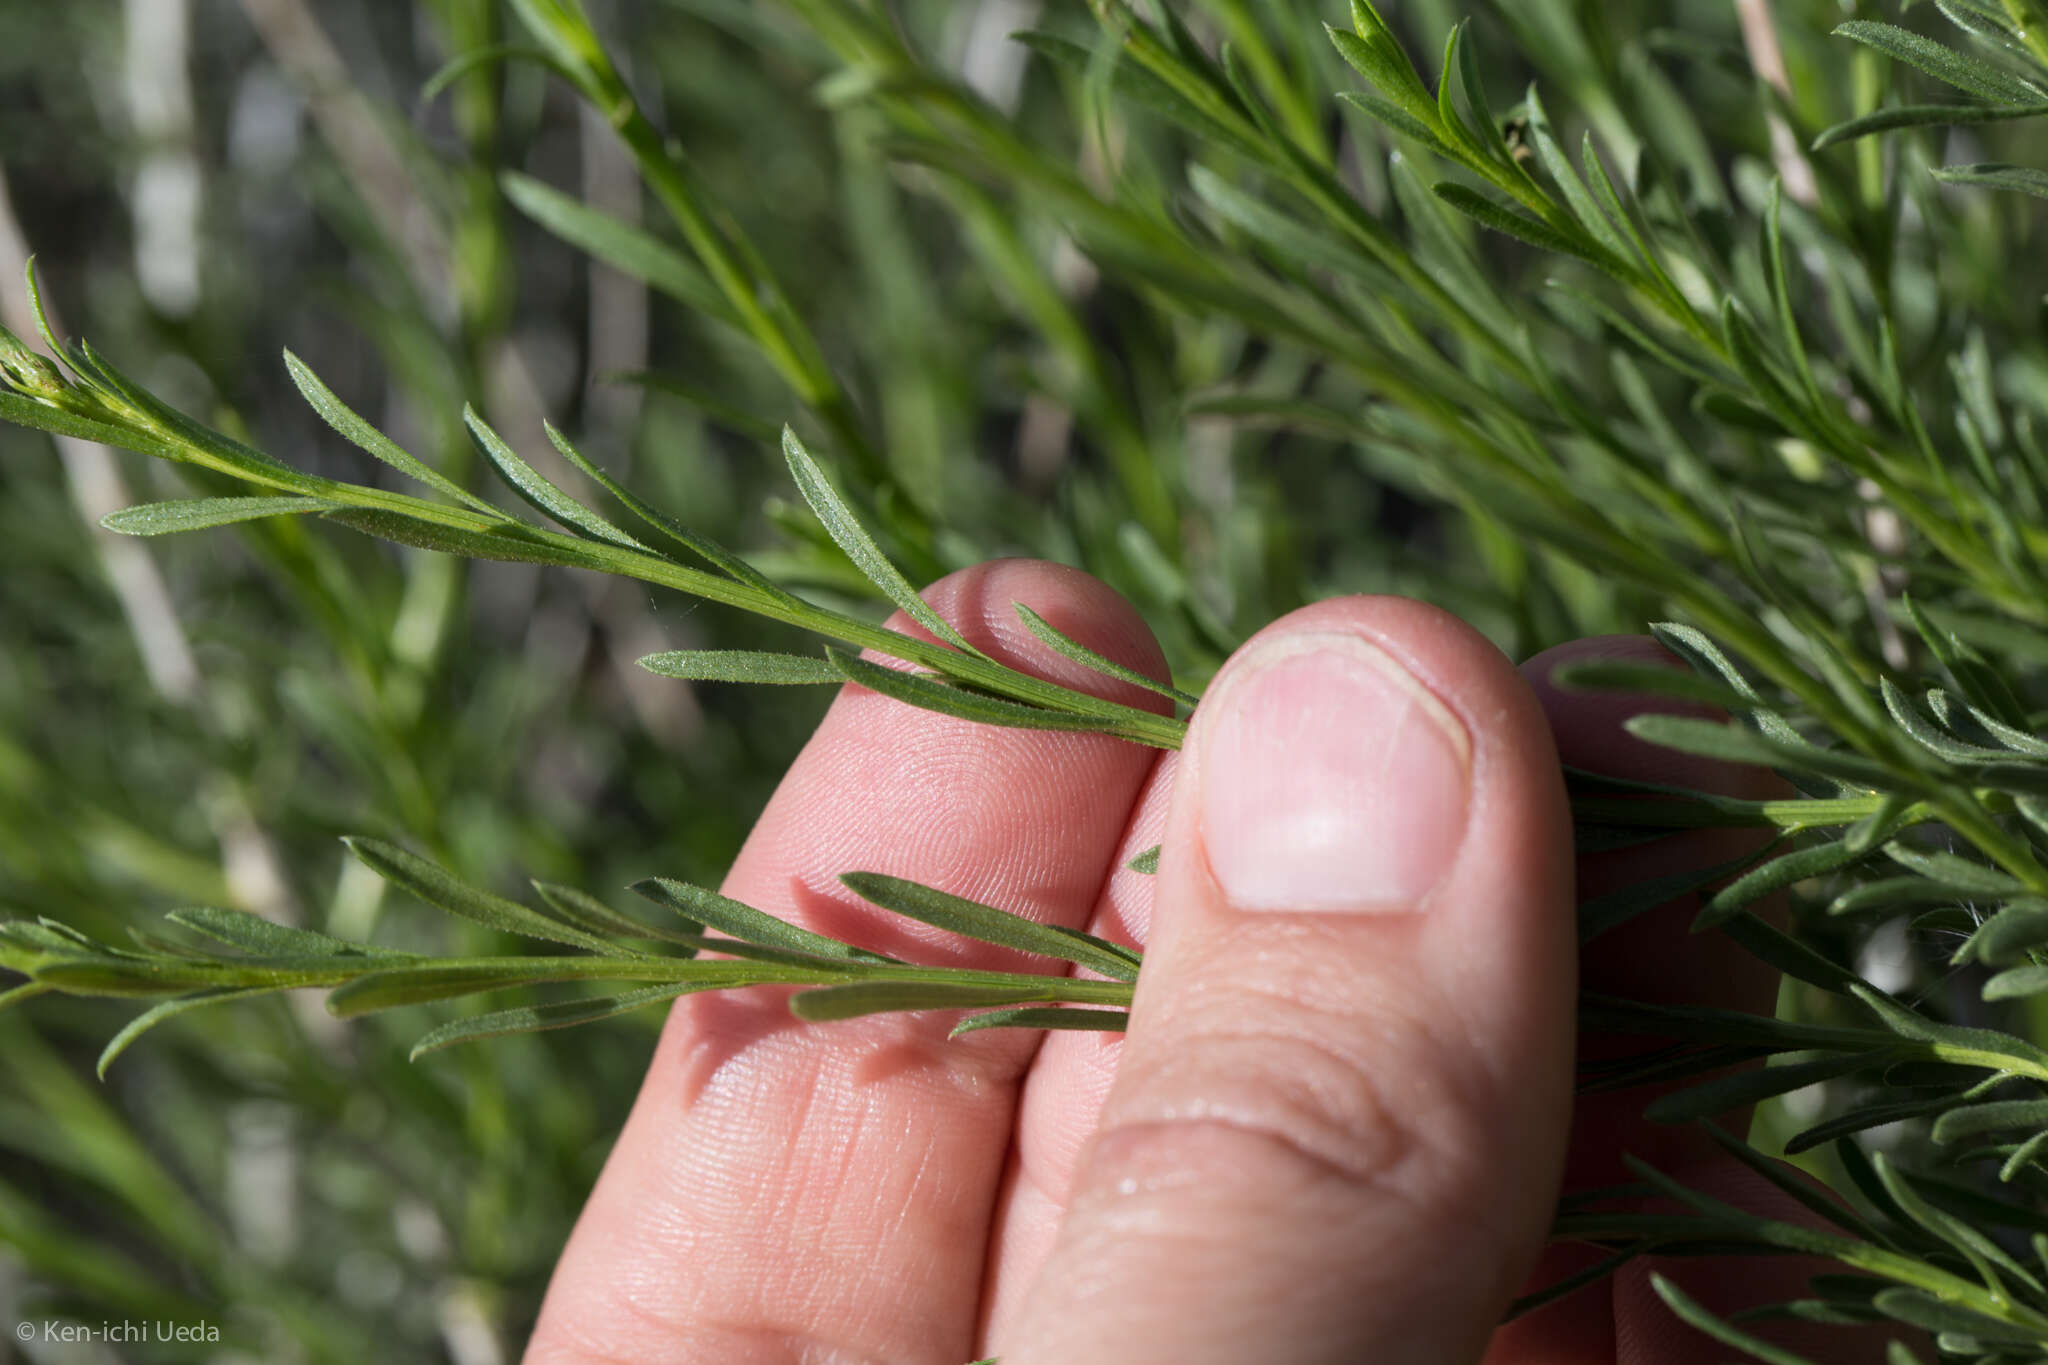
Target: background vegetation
point(1193, 323)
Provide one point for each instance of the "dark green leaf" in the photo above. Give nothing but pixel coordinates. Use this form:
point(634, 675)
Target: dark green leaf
point(846, 530)
point(1081, 654)
point(544, 496)
point(971, 919)
point(1540, 235)
point(438, 887)
point(744, 922)
point(367, 438)
point(920, 690)
point(157, 1014)
point(889, 997)
point(626, 248)
point(538, 1018)
point(1923, 116)
point(268, 938)
point(1098, 1021)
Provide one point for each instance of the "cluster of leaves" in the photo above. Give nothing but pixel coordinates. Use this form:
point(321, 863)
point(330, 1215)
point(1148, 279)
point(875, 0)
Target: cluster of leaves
point(1712, 406)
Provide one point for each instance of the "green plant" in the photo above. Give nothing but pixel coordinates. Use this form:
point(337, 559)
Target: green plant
point(1735, 362)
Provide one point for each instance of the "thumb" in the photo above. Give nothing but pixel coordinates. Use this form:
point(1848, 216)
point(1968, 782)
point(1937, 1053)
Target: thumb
point(1339, 1120)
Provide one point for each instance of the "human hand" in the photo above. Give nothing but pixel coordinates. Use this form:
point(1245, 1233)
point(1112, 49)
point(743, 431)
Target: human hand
point(1336, 1128)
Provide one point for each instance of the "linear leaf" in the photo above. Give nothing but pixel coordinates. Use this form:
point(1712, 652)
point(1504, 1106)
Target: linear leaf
point(1540, 235)
point(359, 433)
point(1602, 913)
point(886, 997)
point(544, 496)
point(628, 249)
point(1619, 675)
point(1723, 1093)
point(921, 690)
point(972, 919)
point(1735, 744)
point(538, 1018)
point(1993, 175)
point(744, 922)
point(437, 886)
point(1974, 1120)
point(847, 532)
point(1081, 654)
point(742, 666)
point(513, 541)
point(1923, 116)
point(1943, 63)
point(1091, 1020)
point(1774, 876)
point(268, 938)
point(587, 912)
point(157, 1014)
point(199, 514)
point(703, 547)
point(1691, 1313)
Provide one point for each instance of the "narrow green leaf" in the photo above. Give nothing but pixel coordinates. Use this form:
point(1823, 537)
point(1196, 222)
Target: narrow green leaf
point(2016, 983)
point(1735, 744)
point(847, 532)
point(1540, 235)
point(157, 1014)
point(1726, 1333)
point(744, 922)
point(1795, 959)
point(1975, 1120)
point(586, 912)
point(1617, 675)
point(1081, 654)
point(1616, 908)
point(1923, 116)
point(1986, 1048)
point(539, 1018)
point(1091, 1020)
point(706, 549)
point(742, 666)
point(359, 433)
point(628, 249)
point(268, 938)
point(921, 690)
point(972, 919)
point(1943, 63)
point(1993, 175)
point(544, 496)
point(889, 997)
point(200, 514)
point(1742, 1088)
point(437, 886)
point(423, 983)
point(1775, 876)
point(512, 541)
point(2018, 926)
point(1398, 119)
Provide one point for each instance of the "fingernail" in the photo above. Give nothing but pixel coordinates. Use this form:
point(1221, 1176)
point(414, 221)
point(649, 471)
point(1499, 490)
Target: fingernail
point(1331, 778)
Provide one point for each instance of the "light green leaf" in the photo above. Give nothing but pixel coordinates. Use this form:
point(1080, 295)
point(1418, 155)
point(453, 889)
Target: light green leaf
point(544, 496)
point(1735, 744)
point(847, 532)
point(742, 666)
point(157, 1014)
point(1943, 63)
point(1975, 1120)
point(1091, 1020)
point(199, 514)
point(1991, 175)
point(539, 1018)
point(972, 919)
point(367, 438)
point(628, 249)
point(437, 886)
point(1081, 654)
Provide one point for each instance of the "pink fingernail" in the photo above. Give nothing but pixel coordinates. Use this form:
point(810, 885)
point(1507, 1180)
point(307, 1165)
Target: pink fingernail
point(1331, 778)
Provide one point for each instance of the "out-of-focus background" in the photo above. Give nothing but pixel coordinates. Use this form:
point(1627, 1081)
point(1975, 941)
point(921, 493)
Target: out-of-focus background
point(195, 720)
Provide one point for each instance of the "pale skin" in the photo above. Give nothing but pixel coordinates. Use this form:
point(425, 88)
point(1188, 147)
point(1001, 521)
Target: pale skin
point(1329, 1135)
